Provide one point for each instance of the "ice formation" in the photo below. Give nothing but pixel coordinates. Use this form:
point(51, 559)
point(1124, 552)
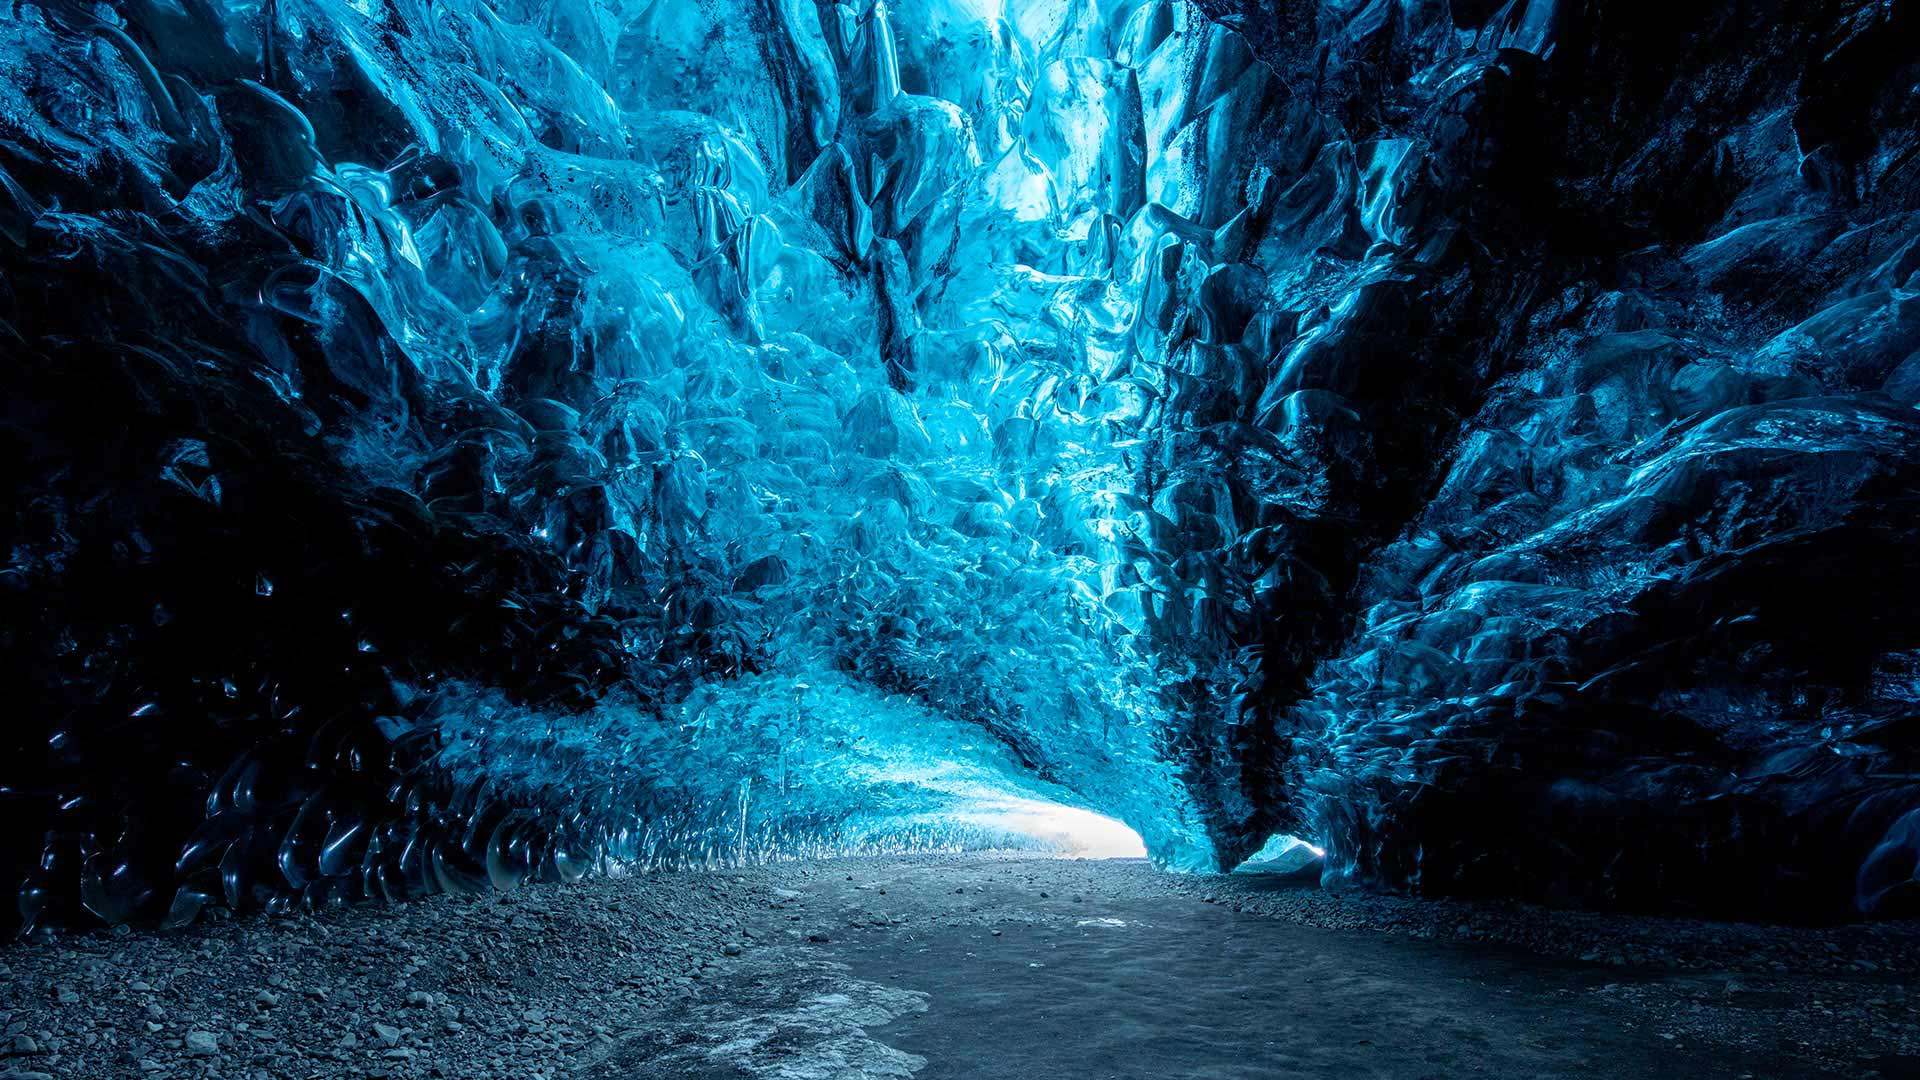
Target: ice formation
point(456, 442)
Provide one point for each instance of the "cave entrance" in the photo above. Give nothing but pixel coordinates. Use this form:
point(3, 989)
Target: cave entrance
point(1284, 854)
point(1066, 830)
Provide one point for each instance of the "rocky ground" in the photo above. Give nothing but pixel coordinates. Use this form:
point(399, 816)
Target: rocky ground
point(513, 984)
point(1837, 995)
point(725, 974)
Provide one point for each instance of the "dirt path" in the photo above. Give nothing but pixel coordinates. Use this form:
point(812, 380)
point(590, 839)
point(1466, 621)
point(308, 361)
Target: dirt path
point(980, 967)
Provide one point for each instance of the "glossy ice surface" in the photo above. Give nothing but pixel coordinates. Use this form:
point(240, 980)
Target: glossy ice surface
point(456, 441)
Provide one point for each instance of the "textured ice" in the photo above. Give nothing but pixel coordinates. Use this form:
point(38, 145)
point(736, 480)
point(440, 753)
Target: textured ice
point(453, 442)
point(762, 381)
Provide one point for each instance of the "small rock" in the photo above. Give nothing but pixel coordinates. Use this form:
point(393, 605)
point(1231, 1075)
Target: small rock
point(202, 1043)
point(387, 1034)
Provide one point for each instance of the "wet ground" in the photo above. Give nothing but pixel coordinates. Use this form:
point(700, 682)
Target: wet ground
point(980, 966)
point(993, 975)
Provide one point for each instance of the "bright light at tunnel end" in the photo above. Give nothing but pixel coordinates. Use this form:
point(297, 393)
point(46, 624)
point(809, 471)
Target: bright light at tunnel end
point(1069, 831)
point(1285, 851)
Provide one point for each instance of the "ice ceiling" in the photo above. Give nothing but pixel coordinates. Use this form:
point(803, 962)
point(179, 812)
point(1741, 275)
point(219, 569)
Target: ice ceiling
point(454, 443)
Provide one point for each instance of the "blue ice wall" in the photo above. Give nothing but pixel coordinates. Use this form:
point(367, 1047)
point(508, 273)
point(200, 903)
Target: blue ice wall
point(453, 443)
point(758, 394)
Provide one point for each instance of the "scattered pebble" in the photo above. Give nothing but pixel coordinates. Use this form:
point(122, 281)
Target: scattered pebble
point(202, 1044)
point(542, 981)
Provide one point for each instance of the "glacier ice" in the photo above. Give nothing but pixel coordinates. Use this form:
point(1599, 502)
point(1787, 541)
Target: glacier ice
point(459, 442)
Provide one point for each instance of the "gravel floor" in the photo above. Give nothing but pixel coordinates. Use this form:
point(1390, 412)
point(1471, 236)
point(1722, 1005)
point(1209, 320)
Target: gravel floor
point(549, 980)
point(516, 984)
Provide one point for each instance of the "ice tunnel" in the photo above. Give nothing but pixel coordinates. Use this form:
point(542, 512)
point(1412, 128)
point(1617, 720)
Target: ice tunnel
point(457, 442)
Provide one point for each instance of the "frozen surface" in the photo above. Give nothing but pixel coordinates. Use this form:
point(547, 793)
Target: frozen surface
point(452, 443)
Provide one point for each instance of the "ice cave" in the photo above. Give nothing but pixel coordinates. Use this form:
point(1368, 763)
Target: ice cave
point(1442, 467)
